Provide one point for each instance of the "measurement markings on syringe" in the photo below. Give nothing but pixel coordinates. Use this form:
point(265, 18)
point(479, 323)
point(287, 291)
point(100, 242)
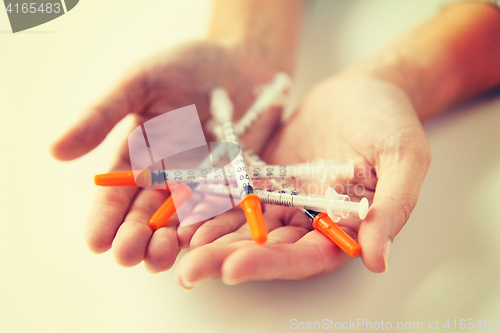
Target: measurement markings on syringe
point(281, 198)
point(192, 175)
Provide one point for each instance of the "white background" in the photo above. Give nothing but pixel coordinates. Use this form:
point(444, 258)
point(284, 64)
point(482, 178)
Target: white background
point(444, 264)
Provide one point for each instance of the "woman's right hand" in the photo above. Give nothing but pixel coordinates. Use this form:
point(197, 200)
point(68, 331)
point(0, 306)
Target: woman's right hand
point(181, 76)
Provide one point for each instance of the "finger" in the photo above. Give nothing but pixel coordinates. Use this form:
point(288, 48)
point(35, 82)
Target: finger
point(207, 210)
point(286, 235)
point(88, 132)
point(289, 216)
point(273, 216)
point(132, 238)
point(106, 215)
point(403, 166)
point(200, 264)
point(162, 249)
point(204, 233)
point(311, 256)
point(108, 209)
point(205, 262)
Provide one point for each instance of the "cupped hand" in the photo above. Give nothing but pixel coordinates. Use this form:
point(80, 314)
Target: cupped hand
point(176, 78)
point(350, 116)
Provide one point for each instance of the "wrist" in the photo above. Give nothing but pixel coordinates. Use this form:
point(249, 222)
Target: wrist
point(446, 60)
point(266, 29)
point(396, 66)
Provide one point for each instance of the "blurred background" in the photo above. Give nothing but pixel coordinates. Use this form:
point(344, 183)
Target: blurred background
point(443, 265)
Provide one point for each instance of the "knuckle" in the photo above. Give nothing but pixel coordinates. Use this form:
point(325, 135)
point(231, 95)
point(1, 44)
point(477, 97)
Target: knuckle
point(406, 209)
point(401, 208)
point(409, 144)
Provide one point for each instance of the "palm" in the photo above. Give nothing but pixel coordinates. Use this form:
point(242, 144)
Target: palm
point(184, 75)
point(173, 79)
point(346, 117)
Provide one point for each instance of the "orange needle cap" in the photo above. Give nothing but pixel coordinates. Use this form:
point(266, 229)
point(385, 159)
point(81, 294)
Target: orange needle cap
point(253, 213)
point(124, 178)
point(330, 229)
point(182, 193)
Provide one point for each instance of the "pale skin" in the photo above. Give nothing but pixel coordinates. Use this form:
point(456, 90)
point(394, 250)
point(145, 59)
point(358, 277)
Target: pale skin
point(371, 112)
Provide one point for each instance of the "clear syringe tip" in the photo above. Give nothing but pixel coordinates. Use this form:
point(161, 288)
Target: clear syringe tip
point(360, 208)
point(340, 205)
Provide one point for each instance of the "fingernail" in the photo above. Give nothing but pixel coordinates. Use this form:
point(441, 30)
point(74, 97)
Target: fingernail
point(387, 253)
point(190, 284)
point(184, 287)
point(149, 270)
point(232, 282)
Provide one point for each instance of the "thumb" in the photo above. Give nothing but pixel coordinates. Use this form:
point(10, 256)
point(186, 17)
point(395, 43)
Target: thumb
point(88, 132)
point(403, 165)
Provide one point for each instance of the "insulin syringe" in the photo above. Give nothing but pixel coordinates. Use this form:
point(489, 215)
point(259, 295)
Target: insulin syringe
point(320, 220)
point(222, 110)
point(272, 94)
point(335, 205)
point(321, 170)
